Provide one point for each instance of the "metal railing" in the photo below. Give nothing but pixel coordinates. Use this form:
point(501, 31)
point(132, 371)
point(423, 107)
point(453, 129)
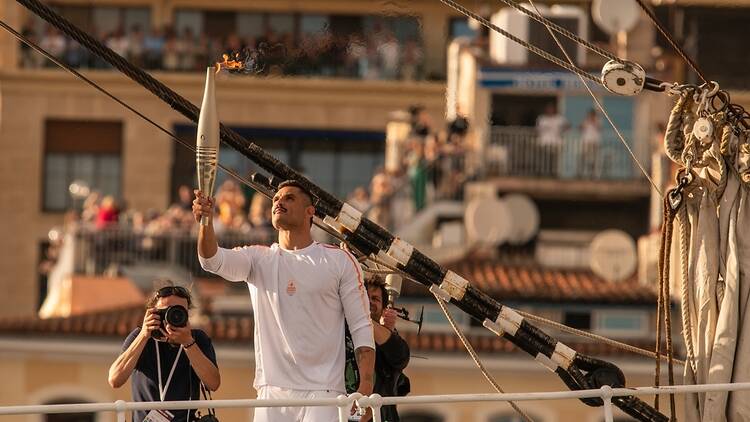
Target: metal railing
point(518, 152)
point(96, 251)
point(375, 401)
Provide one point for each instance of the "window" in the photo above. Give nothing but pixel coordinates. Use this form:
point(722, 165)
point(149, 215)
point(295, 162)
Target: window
point(518, 110)
point(100, 20)
point(69, 417)
point(311, 24)
point(596, 34)
point(337, 161)
point(420, 416)
point(281, 23)
point(232, 159)
point(708, 27)
point(80, 151)
point(404, 28)
point(103, 22)
point(578, 319)
point(311, 44)
point(539, 36)
point(459, 27)
point(435, 320)
point(188, 20)
point(250, 25)
point(621, 323)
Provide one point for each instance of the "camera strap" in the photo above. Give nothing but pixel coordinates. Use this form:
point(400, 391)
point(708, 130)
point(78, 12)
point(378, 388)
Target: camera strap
point(163, 391)
point(207, 396)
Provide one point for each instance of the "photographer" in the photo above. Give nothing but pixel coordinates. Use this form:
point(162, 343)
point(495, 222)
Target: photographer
point(167, 359)
point(391, 352)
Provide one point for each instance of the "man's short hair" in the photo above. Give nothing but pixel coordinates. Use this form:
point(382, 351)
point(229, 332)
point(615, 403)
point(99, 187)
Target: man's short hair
point(169, 289)
point(298, 185)
point(376, 281)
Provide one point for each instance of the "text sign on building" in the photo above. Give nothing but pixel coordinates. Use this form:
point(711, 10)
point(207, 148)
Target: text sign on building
point(531, 81)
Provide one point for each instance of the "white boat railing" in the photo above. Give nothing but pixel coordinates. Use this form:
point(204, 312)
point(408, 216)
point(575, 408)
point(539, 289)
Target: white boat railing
point(375, 401)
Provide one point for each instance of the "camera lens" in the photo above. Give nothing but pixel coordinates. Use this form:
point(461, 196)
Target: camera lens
point(177, 316)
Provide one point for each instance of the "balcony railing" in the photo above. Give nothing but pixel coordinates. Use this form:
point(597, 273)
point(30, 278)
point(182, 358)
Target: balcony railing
point(97, 251)
point(517, 152)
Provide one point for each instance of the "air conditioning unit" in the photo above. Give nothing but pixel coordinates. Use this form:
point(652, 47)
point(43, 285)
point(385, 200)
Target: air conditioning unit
point(507, 52)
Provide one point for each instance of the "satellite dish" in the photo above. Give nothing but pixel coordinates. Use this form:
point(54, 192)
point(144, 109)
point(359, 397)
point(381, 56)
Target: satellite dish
point(525, 218)
point(488, 221)
point(613, 255)
point(614, 16)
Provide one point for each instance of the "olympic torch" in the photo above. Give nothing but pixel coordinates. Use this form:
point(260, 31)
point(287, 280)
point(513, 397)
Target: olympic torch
point(207, 143)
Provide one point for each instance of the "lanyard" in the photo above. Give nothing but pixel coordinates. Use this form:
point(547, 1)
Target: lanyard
point(163, 392)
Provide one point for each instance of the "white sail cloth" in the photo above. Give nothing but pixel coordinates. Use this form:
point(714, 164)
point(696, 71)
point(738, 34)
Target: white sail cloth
point(717, 277)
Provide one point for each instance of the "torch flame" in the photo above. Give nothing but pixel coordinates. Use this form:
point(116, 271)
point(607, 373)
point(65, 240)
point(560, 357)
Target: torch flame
point(230, 64)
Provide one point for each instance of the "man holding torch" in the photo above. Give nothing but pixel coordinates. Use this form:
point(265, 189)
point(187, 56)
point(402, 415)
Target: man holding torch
point(302, 294)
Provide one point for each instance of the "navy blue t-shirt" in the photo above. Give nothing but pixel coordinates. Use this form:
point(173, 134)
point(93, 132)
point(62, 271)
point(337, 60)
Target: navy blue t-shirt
point(185, 382)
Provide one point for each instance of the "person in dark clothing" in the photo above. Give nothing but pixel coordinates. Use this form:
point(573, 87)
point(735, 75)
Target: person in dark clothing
point(391, 352)
point(458, 126)
point(171, 367)
point(421, 125)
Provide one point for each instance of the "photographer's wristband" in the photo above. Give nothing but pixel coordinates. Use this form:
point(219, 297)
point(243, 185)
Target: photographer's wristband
point(189, 345)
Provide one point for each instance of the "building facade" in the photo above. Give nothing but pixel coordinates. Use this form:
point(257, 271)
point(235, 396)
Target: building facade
point(55, 129)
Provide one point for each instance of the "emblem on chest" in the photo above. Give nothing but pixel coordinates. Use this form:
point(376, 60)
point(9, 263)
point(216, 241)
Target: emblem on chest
point(291, 288)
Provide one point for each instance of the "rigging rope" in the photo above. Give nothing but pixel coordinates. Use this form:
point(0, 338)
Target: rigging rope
point(663, 294)
point(665, 299)
point(604, 112)
point(671, 40)
point(388, 269)
point(576, 370)
point(554, 324)
point(475, 358)
point(632, 406)
point(605, 340)
point(570, 65)
point(559, 29)
point(534, 49)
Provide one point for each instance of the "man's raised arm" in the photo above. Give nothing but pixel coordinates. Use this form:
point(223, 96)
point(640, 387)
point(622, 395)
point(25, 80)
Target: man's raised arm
point(230, 264)
point(207, 244)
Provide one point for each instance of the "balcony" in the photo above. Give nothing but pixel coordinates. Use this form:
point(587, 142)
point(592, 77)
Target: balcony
point(515, 160)
point(98, 251)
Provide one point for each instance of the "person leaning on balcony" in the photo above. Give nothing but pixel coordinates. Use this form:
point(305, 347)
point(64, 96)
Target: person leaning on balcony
point(550, 127)
point(302, 293)
point(591, 139)
point(171, 368)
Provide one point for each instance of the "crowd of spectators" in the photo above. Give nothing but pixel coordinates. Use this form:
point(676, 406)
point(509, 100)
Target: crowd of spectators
point(235, 214)
point(114, 230)
point(377, 56)
point(430, 167)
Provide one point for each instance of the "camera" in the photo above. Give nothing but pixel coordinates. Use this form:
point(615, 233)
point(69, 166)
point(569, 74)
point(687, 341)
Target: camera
point(176, 315)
